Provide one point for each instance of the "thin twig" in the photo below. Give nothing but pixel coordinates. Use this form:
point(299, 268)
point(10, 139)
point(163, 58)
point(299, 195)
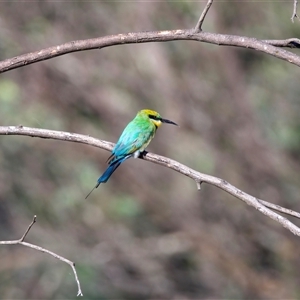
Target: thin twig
point(280, 209)
point(290, 43)
point(29, 227)
point(262, 206)
point(295, 15)
point(198, 27)
point(70, 263)
point(38, 248)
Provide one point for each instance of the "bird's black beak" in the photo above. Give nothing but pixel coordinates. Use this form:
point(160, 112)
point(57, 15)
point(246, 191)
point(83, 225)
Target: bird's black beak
point(168, 122)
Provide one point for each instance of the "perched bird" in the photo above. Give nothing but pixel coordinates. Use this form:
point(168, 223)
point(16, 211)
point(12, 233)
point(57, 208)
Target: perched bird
point(133, 141)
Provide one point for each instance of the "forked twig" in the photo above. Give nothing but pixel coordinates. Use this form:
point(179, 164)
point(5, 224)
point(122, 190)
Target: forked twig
point(38, 248)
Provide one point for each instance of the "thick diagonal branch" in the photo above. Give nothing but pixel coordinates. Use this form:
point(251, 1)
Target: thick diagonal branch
point(264, 207)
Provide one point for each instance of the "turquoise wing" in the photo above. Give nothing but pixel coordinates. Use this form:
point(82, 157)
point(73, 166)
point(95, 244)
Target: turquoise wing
point(136, 136)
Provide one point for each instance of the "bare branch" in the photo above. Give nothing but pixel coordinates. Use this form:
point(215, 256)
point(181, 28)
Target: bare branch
point(154, 36)
point(203, 15)
point(225, 186)
point(38, 248)
point(198, 177)
point(295, 15)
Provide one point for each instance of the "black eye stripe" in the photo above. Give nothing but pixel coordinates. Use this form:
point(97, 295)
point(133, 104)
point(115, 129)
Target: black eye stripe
point(154, 117)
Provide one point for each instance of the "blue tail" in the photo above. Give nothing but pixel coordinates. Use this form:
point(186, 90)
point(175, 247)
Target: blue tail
point(113, 165)
point(110, 169)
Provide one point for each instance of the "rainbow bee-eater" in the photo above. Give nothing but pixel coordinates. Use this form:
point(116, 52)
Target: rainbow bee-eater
point(133, 141)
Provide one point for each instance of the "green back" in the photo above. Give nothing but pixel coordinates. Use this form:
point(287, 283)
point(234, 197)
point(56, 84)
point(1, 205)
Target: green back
point(136, 136)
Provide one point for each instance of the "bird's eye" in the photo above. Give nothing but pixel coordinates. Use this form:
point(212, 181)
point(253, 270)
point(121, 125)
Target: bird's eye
point(154, 117)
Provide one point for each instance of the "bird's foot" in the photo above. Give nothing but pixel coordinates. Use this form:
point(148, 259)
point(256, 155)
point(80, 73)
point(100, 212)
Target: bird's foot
point(143, 154)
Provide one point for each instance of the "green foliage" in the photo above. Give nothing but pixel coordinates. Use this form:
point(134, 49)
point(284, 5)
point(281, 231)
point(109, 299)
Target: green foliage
point(125, 207)
point(9, 97)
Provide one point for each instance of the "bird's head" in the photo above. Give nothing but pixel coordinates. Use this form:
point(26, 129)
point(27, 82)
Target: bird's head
point(155, 117)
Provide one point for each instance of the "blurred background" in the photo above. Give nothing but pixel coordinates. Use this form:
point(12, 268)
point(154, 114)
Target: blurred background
point(148, 233)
